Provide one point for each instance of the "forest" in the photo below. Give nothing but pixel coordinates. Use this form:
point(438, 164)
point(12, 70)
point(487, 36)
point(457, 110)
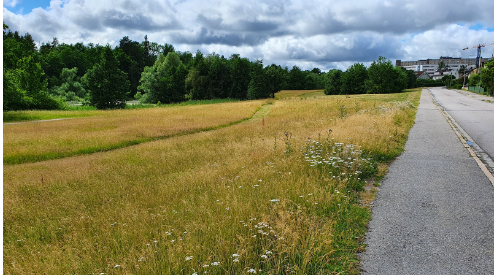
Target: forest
point(106, 77)
point(54, 74)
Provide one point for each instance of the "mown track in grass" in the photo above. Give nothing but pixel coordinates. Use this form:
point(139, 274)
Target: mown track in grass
point(105, 132)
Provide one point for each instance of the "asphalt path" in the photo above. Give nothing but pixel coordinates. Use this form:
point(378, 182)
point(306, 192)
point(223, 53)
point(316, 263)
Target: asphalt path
point(473, 114)
point(434, 211)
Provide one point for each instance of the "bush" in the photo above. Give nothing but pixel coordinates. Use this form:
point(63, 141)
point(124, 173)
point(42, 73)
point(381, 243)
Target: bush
point(429, 83)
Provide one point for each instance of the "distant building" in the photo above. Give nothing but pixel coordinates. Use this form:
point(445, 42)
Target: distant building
point(431, 66)
point(422, 75)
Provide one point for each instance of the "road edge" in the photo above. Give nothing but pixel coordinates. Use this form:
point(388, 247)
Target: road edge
point(483, 160)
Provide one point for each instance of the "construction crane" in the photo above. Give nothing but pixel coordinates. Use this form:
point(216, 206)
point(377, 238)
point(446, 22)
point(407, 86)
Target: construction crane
point(479, 46)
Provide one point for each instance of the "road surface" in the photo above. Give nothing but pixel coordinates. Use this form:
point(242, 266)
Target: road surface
point(434, 210)
point(473, 114)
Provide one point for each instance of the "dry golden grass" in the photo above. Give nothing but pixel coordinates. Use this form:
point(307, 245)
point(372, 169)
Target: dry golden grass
point(36, 141)
point(229, 201)
point(294, 93)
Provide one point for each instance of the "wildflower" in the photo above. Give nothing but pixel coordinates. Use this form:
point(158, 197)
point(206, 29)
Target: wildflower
point(205, 265)
point(117, 265)
point(274, 200)
point(264, 256)
point(227, 208)
point(251, 270)
point(235, 255)
point(189, 258)
point(256, 185)
point(236, 260)
point(196, 273)
point(268, 252)
point(215, 263)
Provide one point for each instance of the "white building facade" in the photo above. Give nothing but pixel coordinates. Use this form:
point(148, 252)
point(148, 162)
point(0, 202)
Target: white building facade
point(453, 65)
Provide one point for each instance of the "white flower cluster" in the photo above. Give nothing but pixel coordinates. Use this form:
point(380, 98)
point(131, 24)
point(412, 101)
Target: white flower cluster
point(341, 161)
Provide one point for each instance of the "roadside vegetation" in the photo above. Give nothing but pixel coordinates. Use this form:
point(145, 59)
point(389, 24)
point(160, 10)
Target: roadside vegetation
point(282, 194)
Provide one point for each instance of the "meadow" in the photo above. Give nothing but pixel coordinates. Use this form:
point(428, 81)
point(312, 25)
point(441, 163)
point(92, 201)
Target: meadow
point(284, 190)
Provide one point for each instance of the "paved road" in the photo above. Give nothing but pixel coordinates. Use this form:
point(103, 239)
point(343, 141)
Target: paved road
point(434, 210)
point(475, 116)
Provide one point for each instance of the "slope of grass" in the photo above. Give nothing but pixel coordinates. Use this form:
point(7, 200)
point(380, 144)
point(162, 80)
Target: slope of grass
point(270, 199)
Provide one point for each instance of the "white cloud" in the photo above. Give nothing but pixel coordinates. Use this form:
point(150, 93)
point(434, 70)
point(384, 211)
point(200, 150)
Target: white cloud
point(448, 41)
point(319, 33)
point(11, 3)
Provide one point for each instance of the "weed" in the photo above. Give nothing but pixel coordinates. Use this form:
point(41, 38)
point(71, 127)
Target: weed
point(287, 141)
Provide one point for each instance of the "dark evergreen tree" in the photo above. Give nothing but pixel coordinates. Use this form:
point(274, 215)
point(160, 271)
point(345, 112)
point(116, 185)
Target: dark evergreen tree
point(296, 79)
point(107, 84)
point(220, 78)
point(240, 77)
point(257, 87)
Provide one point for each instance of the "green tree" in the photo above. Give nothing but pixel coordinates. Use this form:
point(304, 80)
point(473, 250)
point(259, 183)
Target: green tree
point(274, 79)
point(441, 66)
point(353, 79)
point(401, 81)
point(107, 84)
point(296, 79)
point(411, 78)
point(474, 80)
point(240, 77)
point(164, 81)
point(487, 76)
point(26, 88)
point(71, 87)
point(257, 86)
point(333, 82)
point(220, 77)
point(448, 80)
point(382, 77)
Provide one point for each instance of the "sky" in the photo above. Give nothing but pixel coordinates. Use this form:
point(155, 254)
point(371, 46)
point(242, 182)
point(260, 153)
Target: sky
point(308, 33)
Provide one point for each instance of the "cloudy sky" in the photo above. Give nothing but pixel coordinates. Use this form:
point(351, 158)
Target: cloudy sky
point(307, 33)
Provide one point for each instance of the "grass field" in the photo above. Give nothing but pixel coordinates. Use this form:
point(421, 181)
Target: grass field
point(107, 130)
point(278, 194)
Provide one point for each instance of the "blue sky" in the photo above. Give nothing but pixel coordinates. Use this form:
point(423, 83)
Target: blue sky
point(25, 6)
point(309, 33)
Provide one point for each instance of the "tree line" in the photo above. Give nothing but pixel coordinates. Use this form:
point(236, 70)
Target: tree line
point(106, 77)
point(380, 77)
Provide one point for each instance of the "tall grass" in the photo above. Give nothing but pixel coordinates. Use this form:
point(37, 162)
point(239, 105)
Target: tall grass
point(230, 201)
point(107, 130)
